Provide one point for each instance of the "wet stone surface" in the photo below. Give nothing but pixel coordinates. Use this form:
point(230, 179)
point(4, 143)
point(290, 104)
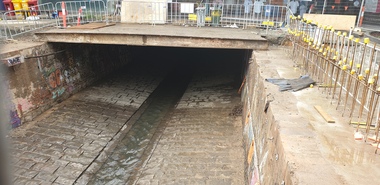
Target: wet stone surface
point(125, 159)
point(63, 142)
point(201, 142)
point(197, 149)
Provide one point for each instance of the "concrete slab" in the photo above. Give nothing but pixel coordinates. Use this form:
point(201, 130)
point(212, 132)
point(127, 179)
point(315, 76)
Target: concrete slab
point(160, 35)
point(15, 45)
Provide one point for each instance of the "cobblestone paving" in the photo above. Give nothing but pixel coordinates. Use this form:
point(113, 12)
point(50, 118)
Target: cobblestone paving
point(202, 142)
point(61, 144)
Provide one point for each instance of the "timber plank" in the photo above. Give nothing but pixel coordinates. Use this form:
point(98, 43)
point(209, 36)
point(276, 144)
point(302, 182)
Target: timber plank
point(92, 26)
point(325, 116)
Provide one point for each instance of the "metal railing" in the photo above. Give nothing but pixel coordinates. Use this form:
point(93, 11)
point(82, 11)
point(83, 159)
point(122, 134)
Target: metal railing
point(261, 16)
point(347, 67)
point(3, 30)
point(86, 11)
point(17, 22)
point(209, 14)
point(222, 15)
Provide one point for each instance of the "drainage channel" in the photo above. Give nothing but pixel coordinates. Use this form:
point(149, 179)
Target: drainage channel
point(125, 160)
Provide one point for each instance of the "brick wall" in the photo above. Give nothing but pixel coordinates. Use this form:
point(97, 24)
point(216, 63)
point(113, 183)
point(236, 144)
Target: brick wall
point(265, 162)
point(61, 70)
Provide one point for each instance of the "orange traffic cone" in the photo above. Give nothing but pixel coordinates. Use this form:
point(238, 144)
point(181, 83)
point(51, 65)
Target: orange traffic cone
point(64, 14)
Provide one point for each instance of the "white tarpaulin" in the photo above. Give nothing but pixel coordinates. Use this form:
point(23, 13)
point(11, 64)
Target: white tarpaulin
point(187, 7)
point(144, 11)
point(372, 6)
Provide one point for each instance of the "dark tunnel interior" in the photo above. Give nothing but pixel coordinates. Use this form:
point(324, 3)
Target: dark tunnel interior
point(181, 61)
point(174, 61)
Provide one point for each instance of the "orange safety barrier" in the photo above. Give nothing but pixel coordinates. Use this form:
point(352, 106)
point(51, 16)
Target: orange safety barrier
point(80, 12)
point(64, 14)
point(361, 16)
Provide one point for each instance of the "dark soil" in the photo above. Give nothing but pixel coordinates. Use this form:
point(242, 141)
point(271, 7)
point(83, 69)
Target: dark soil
point(375, 34)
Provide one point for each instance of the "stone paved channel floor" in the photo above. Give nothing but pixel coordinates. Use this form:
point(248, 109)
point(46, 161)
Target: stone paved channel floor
point(63, 142)
point(201, 142)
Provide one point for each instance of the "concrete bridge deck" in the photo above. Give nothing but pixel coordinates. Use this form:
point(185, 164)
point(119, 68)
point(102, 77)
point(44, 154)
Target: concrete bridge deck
point(158, 35)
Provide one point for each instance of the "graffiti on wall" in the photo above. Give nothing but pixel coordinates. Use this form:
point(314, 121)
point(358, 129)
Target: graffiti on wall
point(30, 89)
point(71, 77)
point(54, 78)
point(15, 119)
point(12, 61)
point(39, 95)
point(61, 78)
point(14, 114)
point(58, 92)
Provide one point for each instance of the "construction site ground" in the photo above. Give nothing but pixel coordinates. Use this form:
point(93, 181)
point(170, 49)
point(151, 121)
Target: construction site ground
point(316, 151)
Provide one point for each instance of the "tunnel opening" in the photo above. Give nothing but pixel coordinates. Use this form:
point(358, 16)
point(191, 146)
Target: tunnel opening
point(100, 94)
point(187, 60)
point(103, 60)
point(187, 77)
point(177, 69)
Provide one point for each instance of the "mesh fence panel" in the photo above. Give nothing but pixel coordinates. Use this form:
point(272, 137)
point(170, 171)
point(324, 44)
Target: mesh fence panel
point(372, 13)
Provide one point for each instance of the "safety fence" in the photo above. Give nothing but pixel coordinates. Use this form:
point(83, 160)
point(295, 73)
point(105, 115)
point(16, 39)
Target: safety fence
point(205, 14)
point(347, 69)
point(3, 30)
point(80, 12)
point(31, 18)
point(371, 14)
point(367, 11)
point(25, 20)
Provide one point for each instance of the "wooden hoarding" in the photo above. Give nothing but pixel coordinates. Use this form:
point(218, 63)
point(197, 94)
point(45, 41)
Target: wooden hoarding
point(338, 22)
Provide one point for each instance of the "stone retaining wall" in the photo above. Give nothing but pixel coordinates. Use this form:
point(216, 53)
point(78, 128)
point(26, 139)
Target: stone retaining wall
point(265, 162)
point(50, 73)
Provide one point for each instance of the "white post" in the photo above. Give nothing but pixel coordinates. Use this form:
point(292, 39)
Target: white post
point(360, 14)
point(324, 5)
